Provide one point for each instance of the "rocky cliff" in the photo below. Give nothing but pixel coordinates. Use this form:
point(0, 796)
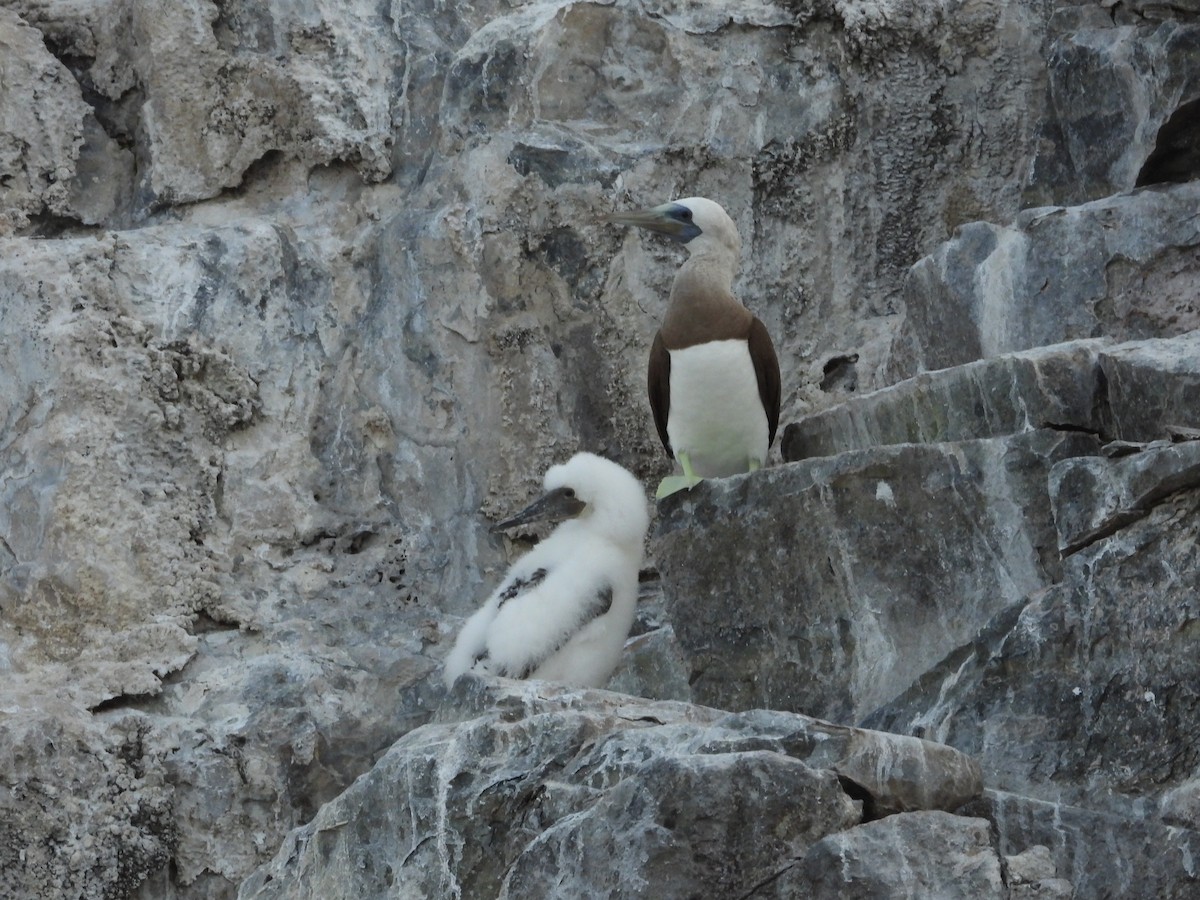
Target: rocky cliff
point(297, 299)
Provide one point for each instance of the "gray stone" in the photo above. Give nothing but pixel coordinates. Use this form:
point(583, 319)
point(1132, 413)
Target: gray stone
point(1099, 854)
point(357, 298)
point(653, 666)
point(1181, 805)
point(1151, 389)
point(498, 108)
point(1042, 388)
point(1124, 267)
point(41, 128)
point(157, 558)
point(498, 797)
point(1092, 496)
point(1135, 391)
point(1045, 698)
point(788, 589)
point(218, 89)
point(1113, 79)
point(1032, 873)
point(917, 855)
point(85, 811)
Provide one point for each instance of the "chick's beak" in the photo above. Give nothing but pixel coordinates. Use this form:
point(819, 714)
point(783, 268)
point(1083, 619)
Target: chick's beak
point(555, 506)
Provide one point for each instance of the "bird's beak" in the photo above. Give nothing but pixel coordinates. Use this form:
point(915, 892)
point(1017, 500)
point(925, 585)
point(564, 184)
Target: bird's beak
point(658, 219)
point(555, 506)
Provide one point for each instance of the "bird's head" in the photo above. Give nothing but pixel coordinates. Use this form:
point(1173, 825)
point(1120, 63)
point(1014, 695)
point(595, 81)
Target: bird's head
point(696, 222)
point(601, 495)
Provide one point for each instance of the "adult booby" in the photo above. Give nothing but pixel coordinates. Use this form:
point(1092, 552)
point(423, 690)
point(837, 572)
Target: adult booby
point(563, 610)
point(714, 376)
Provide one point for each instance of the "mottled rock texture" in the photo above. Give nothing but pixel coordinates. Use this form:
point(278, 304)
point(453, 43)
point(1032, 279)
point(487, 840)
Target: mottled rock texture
point(533, 791)
point(1126, 267)
point(296, 299)
point(915, 855)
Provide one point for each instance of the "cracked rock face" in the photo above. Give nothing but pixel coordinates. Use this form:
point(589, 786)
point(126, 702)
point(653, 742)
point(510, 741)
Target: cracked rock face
point(1106, 646)
point(856, 863)
point(796, 600)
point(296, 299)
point(530, 790)
point(99, 793)
point(1125, 267)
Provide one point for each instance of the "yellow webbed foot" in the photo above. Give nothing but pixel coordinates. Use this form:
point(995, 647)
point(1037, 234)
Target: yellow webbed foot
point(674, 483)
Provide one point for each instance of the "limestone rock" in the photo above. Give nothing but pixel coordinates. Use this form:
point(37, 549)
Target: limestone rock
point(198, 92)
point(1046, 387)
point(786, 591)
point(1149, 389)
point(85, 811)
point(914, 855)
point(55, 160)
point(1032, 873)
point(1115, 76)
point(1098, 854)
point(496, 798)
point(1094, 496)
point(1124, 266)
point(1137, 391)
point(1181, 805)
point(653, 666)
point(350, 296)
point(1045, 697)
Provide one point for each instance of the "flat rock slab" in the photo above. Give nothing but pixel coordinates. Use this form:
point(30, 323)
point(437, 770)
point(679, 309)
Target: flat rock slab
point(922, 855)
point(787, 589)
point(1137, 391)
point(1095, 496)
point(1149, 390)
point(989, 398)
point(1125, 267)
point(497, 797)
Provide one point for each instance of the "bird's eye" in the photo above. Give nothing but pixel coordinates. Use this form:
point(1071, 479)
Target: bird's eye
point(686, 215)
point(570, 492)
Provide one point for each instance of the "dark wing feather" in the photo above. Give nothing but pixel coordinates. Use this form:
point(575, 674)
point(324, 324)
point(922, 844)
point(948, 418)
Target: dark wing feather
point(658, 382)
point(601, 602)
point(766, 367)
point(520, 586)
point(515, 588)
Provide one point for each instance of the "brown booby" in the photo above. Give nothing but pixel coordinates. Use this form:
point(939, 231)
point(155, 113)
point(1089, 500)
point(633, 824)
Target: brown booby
point(714, 377)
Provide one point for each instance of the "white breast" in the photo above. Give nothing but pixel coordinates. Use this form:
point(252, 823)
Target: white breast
point(716, 415)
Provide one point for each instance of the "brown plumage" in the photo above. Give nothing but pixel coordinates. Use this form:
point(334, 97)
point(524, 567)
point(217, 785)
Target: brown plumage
point(703, 327)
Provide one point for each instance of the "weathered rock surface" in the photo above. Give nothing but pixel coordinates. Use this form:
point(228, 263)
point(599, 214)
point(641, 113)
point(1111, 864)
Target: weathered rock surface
point(1061, 488)
point(1117, 75)
point(197, 93)
point(1041, 696)
point(1095, 496)
point(96, 797)
point(787, 589)
point(1126, 266)
point(915, 855)
point(296, 298)
point(1032, 873)
point(55, 159)
point(499, 797)
point(1099, 854)
point(1139, 391)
